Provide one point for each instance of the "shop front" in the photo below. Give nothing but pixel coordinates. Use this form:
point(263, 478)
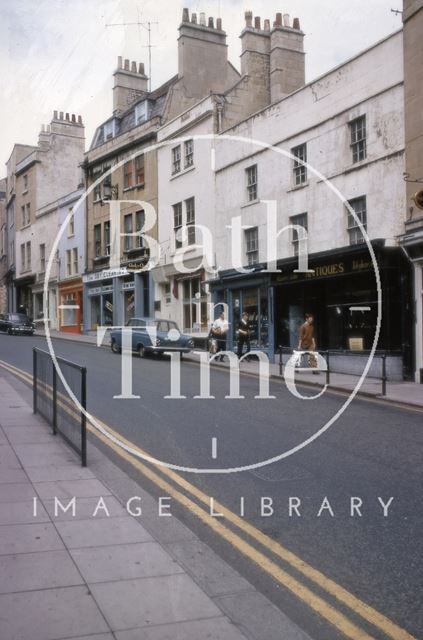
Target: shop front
point(341, 293)
point(113, 296)
point(24, 298)
point(70, 306)
point(412, 243)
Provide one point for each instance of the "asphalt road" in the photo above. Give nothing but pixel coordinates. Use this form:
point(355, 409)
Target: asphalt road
point(372, 451)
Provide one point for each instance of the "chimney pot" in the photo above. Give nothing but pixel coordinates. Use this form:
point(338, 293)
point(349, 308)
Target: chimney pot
point(267, 25)
point(219, 24)
point(257, 23)
point(296, 24)
point(203, 19)
point(211, 23)
point(119, 62)
point(141, 68)
point(286, 19)
point(61, 115)
point(67, 116)
point(42, 128)
point(248, 18)
point(194, 18)
point(278, 21)
point(55, 115)
point(126, 64)
point(185, 15)
point(73, 118)
point(133, 67)
point(79, 119)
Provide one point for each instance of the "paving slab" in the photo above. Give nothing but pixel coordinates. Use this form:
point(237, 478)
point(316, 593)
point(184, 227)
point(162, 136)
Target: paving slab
point(16, 492)
point(262, 619)
point(211, 629)
point(50, 614)
point(43, 570)
point(22, 513)
point(8, 476)
point(52, 472)
point(29, 537)
point(8, 459)
point(134, 603)
point(85, 509)
point(28, 434)
point(104, 532)
point(124, 562)
point(214, 575)
point(69, 488)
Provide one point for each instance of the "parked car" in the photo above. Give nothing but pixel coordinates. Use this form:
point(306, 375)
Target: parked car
point(16, 324)
point(168, 337)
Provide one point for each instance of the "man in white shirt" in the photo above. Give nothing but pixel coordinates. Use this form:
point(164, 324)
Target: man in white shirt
point(219, 331)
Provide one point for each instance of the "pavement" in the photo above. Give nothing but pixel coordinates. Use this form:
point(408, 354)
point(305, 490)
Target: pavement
point(101, 573)
point(403, 393)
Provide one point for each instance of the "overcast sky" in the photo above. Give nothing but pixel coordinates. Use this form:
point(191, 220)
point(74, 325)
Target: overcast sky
point(60, 54)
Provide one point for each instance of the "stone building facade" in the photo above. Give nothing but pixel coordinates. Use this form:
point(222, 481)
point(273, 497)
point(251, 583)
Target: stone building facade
point(120, 166)
point(348, 125)
point(3, 247)
point(412, 240)
point(38, 178)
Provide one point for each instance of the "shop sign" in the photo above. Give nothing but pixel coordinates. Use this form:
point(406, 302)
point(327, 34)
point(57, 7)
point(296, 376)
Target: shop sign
point(109, 306)
point(105, 274)
point(355, 344)
point(327, 270)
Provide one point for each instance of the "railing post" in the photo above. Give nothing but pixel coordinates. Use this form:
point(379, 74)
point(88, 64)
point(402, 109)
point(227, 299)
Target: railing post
point(384, 374)
point(34, 380)
point(328, 367)
point(83, 417)
point(54, 398)
point(280, 361)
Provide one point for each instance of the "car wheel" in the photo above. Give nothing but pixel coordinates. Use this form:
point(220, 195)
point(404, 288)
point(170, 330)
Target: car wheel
point(141, 351)
point(10, 332)
point(115, 347)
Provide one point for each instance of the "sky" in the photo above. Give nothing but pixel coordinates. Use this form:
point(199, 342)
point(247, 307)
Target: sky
point(61, 54)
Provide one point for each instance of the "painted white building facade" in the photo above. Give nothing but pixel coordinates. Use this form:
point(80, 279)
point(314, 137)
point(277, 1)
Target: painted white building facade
point(348, 125)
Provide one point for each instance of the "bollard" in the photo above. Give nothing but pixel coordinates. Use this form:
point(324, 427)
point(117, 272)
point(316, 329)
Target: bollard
point(384, 374)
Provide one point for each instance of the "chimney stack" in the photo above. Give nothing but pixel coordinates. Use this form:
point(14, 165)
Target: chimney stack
point(219, 24)
point(130, 83)
point(287, 58)
point(255, 59)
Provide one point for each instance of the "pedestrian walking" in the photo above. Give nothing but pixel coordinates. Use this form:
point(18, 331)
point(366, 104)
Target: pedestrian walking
point(219, 331)
point(307, 342)
point(243, 335)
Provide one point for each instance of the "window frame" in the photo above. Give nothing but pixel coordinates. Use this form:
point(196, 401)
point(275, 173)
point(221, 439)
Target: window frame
point(188, 153)
point(42, 257)
point(355, 234)
point(128, 175)
point(97, 241)
point(252, 250)
point(176, 159)
point(177, 222)
point(299, 170)
point(251, 174)
point(358, 138)
point(139, 170)
point(190, 222)
point(128, 243)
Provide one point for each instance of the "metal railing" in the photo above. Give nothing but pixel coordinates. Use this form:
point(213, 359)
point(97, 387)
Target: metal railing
point(52, 401)
point(326, 354)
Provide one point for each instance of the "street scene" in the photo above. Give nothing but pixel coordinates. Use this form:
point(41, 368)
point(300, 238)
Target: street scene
point(211, 322)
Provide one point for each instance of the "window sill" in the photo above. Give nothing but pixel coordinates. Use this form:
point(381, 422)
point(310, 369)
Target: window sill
point(298, 187)
point(24, 192)
point(25, 226)
point(250, 203)
point(182, 172)
point(99, 200)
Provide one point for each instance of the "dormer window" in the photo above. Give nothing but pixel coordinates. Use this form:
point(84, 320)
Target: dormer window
point(110, 129)
point(141, 112)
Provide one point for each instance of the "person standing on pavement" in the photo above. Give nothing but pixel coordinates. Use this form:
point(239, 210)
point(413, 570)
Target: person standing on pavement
point(306, 340)
point(243, 334)
point(219, 331)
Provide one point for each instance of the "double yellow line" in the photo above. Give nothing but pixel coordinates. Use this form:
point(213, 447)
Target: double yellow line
point(173, 484)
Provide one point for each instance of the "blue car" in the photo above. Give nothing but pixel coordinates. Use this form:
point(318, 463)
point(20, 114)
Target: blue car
point(167, 337)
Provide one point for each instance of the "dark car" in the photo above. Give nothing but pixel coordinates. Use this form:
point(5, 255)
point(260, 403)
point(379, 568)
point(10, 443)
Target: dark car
point(167, 337)
point(16, 324)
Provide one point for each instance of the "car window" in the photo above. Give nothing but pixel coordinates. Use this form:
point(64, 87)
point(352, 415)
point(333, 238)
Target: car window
point(162, 325)
point(173, 326)
point(136, 322)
